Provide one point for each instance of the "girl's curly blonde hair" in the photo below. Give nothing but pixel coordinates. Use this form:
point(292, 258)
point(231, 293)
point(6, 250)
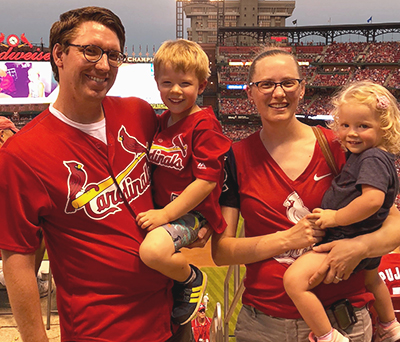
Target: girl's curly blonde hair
point(381, 101)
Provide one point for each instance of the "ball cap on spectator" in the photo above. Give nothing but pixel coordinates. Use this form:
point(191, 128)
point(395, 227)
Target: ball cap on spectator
point(7, 124)
point(202, 307)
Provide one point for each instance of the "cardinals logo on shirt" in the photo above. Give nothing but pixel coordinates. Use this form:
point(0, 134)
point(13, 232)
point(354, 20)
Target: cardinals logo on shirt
point(103, 198)
point(171, 156)
point(295, 211)
point(295, 208)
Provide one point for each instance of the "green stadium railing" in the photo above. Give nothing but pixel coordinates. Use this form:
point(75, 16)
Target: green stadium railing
point(238, 289)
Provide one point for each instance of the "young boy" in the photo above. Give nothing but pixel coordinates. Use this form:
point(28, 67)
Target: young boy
point(188, 152)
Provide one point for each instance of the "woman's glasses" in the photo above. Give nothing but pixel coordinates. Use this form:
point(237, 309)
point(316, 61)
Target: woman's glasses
point(268, 87)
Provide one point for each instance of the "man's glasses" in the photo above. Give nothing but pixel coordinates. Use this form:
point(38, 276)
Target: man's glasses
point(268, 87)
point(202, 311)
point(94, 53)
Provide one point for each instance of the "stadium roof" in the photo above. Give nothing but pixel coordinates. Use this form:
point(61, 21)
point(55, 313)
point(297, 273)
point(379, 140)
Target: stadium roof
point(294, 34)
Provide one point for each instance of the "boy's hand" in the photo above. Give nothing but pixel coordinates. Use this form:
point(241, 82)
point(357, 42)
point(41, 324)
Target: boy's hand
point(325, 218)
point(152, 219)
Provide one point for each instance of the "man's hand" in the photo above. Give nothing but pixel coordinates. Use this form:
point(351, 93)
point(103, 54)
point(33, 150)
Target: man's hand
point(202, 237)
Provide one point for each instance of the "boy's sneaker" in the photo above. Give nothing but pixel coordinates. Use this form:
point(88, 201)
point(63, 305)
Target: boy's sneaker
point(43, 287)
point(187, 297)
point(388, 334)
point(336, 337)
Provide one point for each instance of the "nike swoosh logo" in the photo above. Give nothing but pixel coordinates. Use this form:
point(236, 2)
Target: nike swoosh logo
point(316, 178)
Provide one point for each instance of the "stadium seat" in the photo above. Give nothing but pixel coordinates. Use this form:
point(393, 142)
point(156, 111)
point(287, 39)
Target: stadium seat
point(396, 306)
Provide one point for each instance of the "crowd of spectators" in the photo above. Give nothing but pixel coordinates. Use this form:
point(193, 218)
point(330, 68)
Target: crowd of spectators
point(303, 105)
point(331, 80)
point(309, 53)
point(377, 75)
point(233, 74)
point(233, 93)
point(21, 114)
point(320, 105)
point(238, 132)
point(384, 52)
point(237, 106)
point(237, 52)
point(308, 71)
point(344, 52)
point(394, 81)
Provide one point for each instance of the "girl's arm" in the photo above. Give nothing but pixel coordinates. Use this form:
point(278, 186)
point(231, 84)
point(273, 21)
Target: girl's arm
point(362, 207)
point(229, 250)
point(189, 199)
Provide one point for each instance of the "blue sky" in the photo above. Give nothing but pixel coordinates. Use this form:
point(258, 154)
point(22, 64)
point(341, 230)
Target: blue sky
point(150, 22)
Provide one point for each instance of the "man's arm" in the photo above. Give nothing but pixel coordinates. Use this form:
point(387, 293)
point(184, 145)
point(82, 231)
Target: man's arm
point(345, 255)
point(22, 289)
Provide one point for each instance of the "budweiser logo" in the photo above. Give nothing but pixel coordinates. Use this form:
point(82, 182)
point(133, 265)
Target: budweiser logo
point(15, 42)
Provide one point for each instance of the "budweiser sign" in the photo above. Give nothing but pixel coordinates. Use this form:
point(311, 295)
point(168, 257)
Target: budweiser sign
point(14, 43)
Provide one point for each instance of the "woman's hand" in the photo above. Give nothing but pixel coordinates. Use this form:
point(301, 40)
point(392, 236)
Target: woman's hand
point(342, 258)
point(304, 234)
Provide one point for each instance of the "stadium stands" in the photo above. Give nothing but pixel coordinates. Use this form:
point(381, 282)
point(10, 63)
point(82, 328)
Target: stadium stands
point(324, 67)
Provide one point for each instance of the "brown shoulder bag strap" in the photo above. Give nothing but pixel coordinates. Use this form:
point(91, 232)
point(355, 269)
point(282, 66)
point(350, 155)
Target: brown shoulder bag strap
point(323, 143)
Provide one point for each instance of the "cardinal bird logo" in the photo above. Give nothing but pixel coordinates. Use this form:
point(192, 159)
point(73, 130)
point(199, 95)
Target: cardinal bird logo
point(129, 143)
point(76, 181)
point(25, 41)
point(14, 41)
point(103, 198)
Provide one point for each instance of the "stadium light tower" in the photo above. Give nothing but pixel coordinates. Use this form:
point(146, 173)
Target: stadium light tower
point(219, 4)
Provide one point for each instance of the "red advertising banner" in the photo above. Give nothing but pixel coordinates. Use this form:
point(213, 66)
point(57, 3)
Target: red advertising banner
point(14, 44)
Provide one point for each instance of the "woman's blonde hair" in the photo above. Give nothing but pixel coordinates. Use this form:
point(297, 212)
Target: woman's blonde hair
point(183, 55)
point(381, 101)
point(270, 51)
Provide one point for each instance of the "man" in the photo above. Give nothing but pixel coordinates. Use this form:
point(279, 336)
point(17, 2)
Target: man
point(80, 172)
point(7, 129)
point(201, 326)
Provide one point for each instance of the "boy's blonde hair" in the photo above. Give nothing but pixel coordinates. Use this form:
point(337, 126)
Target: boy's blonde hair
point(381, 101)
point(184, 55)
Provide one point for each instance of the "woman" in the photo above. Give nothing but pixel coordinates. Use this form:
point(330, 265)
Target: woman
point(276, 177)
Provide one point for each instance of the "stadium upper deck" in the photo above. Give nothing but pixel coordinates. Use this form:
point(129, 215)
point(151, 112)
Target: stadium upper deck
point(324, 67)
